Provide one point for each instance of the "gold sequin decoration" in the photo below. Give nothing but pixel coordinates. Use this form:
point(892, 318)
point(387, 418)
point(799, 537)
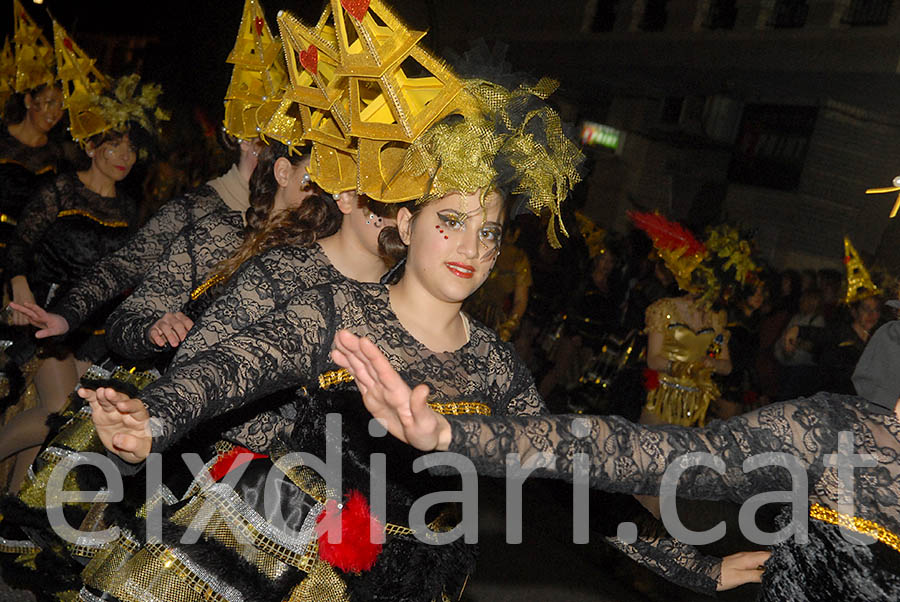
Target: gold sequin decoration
point(213, 280)
point(457, 408)
point(334, 377)
point(102, 222)
point(6, 219)
point(855, 524)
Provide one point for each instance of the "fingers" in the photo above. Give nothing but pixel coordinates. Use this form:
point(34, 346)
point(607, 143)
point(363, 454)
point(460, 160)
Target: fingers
point(171, 329)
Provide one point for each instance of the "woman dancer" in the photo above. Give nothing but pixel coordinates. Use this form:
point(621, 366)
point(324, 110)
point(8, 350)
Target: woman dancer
point(70, 224)
point(452, 238)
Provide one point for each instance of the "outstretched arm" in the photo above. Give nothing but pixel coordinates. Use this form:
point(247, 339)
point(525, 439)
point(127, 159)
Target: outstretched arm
point(622, 456)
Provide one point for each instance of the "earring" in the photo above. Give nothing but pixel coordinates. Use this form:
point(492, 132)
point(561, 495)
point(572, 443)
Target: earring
point(305, 180)
point(90, 153)
point(336, 196)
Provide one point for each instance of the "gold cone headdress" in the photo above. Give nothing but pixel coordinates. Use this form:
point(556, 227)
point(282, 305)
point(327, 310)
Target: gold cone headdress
point(859, 282)
point(34, 54)
point(361, 62)
point(258, 79)
point(82, 85)
point(97, 105)
point(7, 74)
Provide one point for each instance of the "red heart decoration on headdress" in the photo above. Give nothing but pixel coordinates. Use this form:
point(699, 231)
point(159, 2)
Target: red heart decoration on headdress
point(259, 25)
point(309, 59)
point(68, 44)
point(357, 8)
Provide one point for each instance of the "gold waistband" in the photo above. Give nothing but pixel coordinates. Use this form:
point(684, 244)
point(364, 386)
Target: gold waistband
point(102, 222)
point(856, 524)
point(450, 408)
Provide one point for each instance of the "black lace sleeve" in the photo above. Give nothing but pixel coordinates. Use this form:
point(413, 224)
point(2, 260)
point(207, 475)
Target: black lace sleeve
point(36, 217)
point(625, 457)
point(674, 560)
point(169, 285)
point(125, 268)
point(277, 352)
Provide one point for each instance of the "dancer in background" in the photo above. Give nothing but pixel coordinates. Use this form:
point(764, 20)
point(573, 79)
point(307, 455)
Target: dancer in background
point(68, 226)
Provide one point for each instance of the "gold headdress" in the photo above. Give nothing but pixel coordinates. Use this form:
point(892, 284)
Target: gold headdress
point(34, 54)
point(594, 236)
point(7, 74)
point(676, 246)
point(362, 83)
point(316, 101)
point(859, 282)
point(94, 106)
point(258, 79)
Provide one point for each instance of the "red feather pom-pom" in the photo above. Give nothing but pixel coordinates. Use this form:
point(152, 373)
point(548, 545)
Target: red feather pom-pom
point(667, 234)
point(651, 379)
point(356, 552)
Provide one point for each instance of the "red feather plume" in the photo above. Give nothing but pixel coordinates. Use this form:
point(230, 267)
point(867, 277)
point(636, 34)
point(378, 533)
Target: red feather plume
point(356, 552)
point(666, 234)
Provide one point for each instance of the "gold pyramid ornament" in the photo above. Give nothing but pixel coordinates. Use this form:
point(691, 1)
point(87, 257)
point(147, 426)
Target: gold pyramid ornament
point(34, 54)
point(259, 77)
point(82, 85)
point(397, 88)
point(317, 96)
point(371, 38)
point(7, 74)
point(859, 282)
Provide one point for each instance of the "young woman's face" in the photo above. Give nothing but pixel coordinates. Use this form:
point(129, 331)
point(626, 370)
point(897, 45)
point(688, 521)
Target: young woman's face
point(114, 158)
point(45, 108)
point(867, 313)
point(453, 243)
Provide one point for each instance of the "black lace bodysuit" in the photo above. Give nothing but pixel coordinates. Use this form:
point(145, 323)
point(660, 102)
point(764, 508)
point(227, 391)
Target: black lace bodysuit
point(629, 458)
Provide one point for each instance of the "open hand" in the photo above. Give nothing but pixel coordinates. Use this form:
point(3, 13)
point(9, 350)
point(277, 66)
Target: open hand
point(404, 412)
point(50, 325)
point(172, 328)
point(122, 423)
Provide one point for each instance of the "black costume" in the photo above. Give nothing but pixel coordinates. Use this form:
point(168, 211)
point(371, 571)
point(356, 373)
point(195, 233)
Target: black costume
point(21, 167)
point(61, 234)
point(289, 347)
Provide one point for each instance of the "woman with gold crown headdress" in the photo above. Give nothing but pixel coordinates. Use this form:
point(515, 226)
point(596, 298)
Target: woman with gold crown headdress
point(840, 343)
point(452, 208)
point(686, 337)
point(33, 108)
point(70, 223)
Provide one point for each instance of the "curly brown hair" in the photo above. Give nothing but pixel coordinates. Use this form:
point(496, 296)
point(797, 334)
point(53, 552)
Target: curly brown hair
point(316, 217)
